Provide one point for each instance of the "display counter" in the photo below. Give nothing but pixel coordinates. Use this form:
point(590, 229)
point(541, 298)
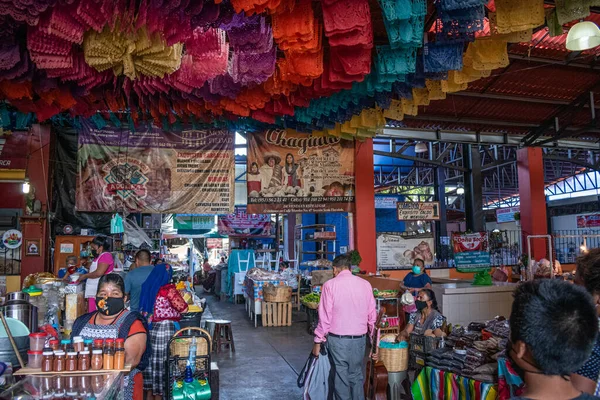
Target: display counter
point(462, 303)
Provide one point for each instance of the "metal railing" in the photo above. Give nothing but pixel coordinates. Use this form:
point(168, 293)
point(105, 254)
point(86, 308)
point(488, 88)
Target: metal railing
point(10, 261)
point(570, 244)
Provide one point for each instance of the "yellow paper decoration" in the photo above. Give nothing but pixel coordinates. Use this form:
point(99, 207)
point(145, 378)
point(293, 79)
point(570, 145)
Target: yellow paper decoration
point(132, 54)
point(518, 15)
point(395, 112)
point(420, 96)
point(486, 54)
point(513, 37)
point(435, 90)
point(451, 86)
point(409, 108)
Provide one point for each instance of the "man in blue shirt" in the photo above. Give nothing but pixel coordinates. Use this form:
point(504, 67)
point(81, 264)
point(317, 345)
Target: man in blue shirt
point(136, 278)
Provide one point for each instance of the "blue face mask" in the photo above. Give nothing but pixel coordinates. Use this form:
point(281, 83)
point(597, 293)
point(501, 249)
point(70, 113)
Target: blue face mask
point(416, 269)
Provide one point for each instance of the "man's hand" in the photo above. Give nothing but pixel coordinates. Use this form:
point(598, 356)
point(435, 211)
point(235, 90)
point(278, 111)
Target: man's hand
point(316, 349)
point(375, 356)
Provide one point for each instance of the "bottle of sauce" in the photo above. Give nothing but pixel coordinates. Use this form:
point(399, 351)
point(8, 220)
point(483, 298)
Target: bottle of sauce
point(98, 344)
point(47, 361)
point(120, 354)
point(97, 361)
point(64, 343)
point(109, 357)
point(78, 343)
point(71, 362)
point(84, 360)
point(59, 361)
point(109, 344)
point(54, 344)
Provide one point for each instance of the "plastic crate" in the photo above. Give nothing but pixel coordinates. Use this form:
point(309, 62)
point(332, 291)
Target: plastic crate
point(416, 361)
point(423, 344)
point(191, 320)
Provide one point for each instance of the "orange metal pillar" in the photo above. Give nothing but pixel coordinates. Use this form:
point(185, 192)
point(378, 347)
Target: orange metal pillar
point(530, 164)
point(364, 227)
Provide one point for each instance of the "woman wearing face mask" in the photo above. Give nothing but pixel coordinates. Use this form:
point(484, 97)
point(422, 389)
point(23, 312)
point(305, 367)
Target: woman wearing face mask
point(113, 321)
point(417, 279)
point(427, 320)
point(103, 264)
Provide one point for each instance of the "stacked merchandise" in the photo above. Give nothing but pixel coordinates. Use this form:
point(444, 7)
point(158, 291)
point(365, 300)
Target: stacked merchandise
point(473, 352)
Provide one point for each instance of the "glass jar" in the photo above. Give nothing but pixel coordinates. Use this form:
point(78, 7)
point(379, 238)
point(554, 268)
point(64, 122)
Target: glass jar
point(34, 359)
point(64, 344)
point(120, 354)
point(54, 344)
point(97, 360)
point(84, 361)
point(109, 358)
point(59, 386)
point(109, 344)
point(89, 343)
point(71, 362)
point(78, 343)
point(85, 385)
point(59, 361)
point(98, 344)
point(47, 361)
point(37, 341)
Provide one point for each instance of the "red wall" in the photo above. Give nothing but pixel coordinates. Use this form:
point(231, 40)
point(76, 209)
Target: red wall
point(12, 195)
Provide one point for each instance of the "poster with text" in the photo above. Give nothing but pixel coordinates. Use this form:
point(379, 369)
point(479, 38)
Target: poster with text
point(155, 171)
point(296, 172)
point(506, 214)
point(471, 251)
point(418, 211)
point(395, 251)
point(588, 221)
point(241, 223)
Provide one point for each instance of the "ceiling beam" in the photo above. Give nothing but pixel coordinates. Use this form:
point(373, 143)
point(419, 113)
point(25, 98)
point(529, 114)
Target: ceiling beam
point(552, 62)
point(419, 160)
point(514, 98)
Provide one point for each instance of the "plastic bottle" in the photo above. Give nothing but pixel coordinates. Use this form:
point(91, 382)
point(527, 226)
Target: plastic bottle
point(192, 355)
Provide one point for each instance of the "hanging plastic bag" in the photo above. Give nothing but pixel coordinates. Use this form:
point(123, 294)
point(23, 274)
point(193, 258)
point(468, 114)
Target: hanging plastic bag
point(315, 376)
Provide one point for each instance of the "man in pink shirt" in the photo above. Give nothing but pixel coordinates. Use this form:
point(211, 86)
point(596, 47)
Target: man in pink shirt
point(346, 313)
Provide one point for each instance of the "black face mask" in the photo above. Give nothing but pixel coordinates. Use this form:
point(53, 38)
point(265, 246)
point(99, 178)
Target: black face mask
point(421, 305)
point(521, 371)
point(110, 305)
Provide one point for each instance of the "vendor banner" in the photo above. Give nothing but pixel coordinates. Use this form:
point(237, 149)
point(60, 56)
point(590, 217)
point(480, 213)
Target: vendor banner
point(189, 222)
point(588, 221)
point(155, 171)
point(471, 251)
point(395, 251)
point(241, 223)
point(418, 211)
point(296, 172)
point(506, 214)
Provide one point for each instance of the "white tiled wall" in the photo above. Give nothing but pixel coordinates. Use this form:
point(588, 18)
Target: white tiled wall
point(463, 308)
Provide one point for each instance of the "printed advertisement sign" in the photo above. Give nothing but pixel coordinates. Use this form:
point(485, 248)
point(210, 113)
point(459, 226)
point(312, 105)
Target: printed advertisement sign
point(506, 214)
point(386, 202)
point(471, 251)
point(154, 171)
point(296, 172)
point(395, 251)
point(588, 221)
point(14, 148)
point(418, 211)
point(213, 243)
point(242, 223)
point(190, 222)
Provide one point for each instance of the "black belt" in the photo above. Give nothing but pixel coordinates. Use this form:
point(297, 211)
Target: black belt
point(347, 336)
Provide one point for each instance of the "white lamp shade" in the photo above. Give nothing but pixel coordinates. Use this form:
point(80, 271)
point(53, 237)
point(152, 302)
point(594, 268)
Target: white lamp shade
point(25, 187)
point(421, 147)
point(460, 190)
point(583, 36)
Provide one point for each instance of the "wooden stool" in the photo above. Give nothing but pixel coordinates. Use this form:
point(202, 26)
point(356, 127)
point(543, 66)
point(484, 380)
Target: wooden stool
point(223, 336)
point(277, 314)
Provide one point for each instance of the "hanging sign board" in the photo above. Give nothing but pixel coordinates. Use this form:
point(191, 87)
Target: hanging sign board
point(188, 222)
point(506, 214)
point(154, 171)
point(386, 202)
point(471, 251)
point(418, 211)
point(588, 221)
point(242, 224)
point(296, 172)
point(395, 251)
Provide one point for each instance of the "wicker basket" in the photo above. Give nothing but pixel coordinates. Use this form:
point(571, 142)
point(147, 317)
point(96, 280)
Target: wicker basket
point(395, 360)
point(181, 347)
point(312, 306)
point(277, 294)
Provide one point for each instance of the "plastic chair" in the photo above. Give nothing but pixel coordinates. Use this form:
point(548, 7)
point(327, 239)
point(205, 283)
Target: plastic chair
point(243, 262)
point(274, 263)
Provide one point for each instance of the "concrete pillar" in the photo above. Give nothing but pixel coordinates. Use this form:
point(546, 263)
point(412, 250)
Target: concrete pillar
point(364, 232)
point(473, 189)
point(530, 167)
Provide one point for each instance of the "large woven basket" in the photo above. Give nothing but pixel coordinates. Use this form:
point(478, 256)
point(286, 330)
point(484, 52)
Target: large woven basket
point(277, 294)
point(395, 360)
point(311, 305)
point(181, 347)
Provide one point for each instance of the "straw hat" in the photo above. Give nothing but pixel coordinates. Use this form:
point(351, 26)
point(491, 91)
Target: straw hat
point(272, 154)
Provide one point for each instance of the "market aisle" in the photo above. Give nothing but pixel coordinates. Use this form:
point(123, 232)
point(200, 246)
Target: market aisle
point(267, 360)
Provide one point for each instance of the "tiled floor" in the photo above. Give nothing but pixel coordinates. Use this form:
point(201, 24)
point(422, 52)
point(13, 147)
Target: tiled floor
point(267, 360)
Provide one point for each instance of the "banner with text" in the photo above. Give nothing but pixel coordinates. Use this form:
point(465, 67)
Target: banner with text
point(395, 251)
point(155, 171)
point(421, 211)
point(296, 172)
point(506, 214)
point(471, 251)
point(190, 222)
point(588, 221)
point(242, 223)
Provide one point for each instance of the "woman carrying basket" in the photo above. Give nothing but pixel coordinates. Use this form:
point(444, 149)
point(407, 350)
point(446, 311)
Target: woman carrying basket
point(427, 320)
point(162, 304)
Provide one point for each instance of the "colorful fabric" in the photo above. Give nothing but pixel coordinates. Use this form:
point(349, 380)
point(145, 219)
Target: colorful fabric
point(347, 307)
point(510, 383)
point(435, 384)
point(156, 373)
point(160, 276)
point(169, 305)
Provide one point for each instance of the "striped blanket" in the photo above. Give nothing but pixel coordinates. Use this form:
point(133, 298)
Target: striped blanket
point(435, 384)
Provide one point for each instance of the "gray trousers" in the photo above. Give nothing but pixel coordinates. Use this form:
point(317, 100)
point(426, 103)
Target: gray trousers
point(347, 357)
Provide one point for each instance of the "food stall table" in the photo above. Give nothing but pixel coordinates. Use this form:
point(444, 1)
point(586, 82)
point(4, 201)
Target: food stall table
point(254, 294)
point(432, 383)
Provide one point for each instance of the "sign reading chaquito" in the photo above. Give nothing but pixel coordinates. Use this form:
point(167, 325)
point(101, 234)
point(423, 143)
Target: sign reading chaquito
point(296, 172)
point(155, 171)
